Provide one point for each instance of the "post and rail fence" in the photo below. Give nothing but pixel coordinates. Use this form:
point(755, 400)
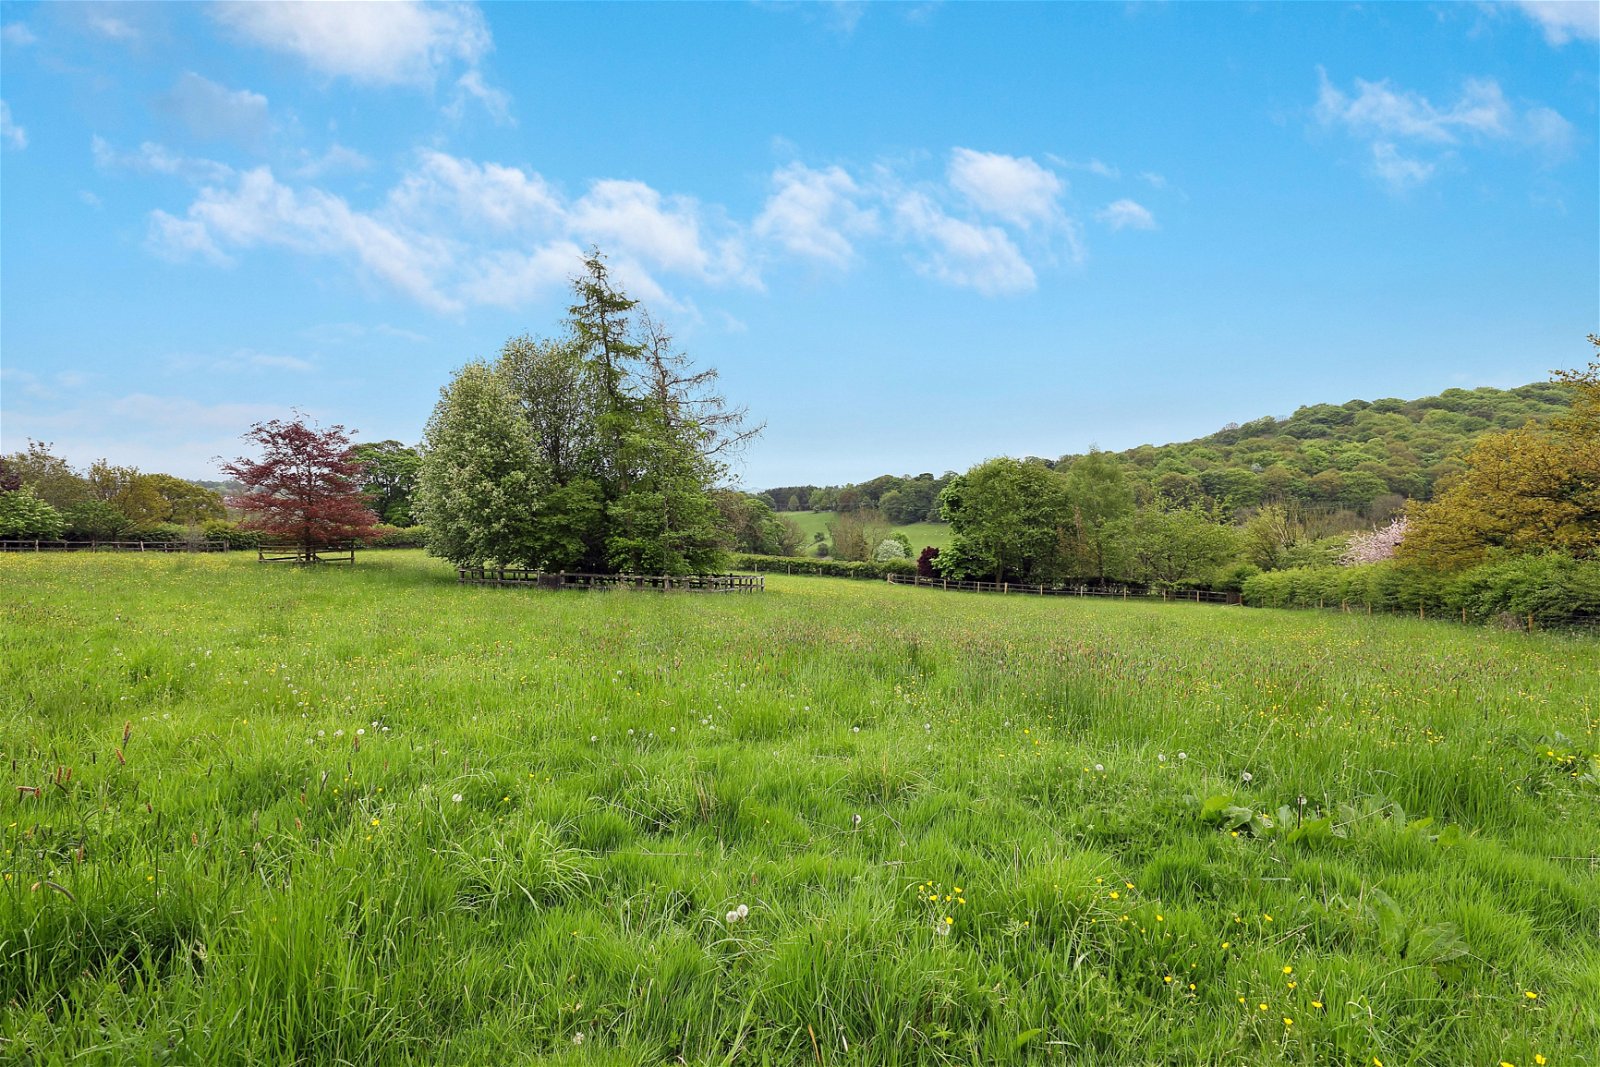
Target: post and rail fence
point(280, 551)
point(693, 583)
point(27, 545)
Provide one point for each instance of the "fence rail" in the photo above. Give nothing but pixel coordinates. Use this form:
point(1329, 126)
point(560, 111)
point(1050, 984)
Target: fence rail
point(295, 552)
point(694, 583)
point(113, 546)
point(1196, 596)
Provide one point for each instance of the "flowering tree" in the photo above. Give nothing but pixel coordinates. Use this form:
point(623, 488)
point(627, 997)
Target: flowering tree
point(1375, 546)
point(305, 488)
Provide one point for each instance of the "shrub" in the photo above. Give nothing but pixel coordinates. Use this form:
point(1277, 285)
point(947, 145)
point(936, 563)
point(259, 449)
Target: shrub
point(397, 537)
point(23, 515)
point(831, 568)
point(232, 533)
point(1553, 589)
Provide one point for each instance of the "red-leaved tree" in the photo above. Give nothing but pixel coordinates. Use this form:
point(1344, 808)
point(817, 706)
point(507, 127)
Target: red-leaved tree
point(305, 488)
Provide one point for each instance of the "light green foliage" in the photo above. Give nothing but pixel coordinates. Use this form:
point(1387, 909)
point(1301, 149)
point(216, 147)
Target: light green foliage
point(891, 548)
point(1171, 548)
point(1007, 518)
point(254, 882)
point(1098, 496)
point(478, 489)
point(24, 515)
point(96, 520)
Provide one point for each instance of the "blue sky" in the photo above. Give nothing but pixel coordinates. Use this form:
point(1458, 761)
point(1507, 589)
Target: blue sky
point(911, 236)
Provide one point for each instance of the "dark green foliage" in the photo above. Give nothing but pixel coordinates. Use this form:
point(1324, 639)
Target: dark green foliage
point(599, 451)
point(823, 567)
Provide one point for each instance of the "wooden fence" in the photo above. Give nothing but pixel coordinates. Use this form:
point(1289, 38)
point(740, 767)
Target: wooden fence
point(113, 546)
point(295, 552)
point(693, 583)
point(1195, 596)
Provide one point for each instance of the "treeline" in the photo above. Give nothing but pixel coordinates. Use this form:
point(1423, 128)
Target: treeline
point(1513, 528)
point(44, 497)
point(1340, 465)
point(900, 499)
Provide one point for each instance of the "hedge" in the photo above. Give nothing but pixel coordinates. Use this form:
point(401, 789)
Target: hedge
point(1552, 590)
point(823, 567)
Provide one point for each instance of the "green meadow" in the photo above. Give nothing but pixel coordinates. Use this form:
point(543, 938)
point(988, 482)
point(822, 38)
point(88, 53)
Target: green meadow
point(263, 815)
point(920, 534)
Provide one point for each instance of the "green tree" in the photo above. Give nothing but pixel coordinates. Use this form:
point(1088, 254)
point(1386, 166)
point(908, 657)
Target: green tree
point(1171, 548)
point(95, 520)
point(1098, 496)
point(1008, 518)
point(52, 478)
point(23, 515)
point(390, 478)
point(1535, 488)
point(478, 488)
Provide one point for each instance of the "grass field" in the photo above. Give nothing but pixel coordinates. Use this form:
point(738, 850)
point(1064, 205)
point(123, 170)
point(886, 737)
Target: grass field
point(367, 816)
point(921, 534)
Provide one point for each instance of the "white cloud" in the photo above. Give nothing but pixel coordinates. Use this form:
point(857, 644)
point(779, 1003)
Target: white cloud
point(12, 134)
point(336, 159)
point(1409, 136)
point(259, 211)
point(814, 214)
point(1376, 109)
point(497, 102)
point(962, 253)
point(1127, 215)
point(1154, 180)
point(499, 197)
point(109, 26)
point(1013, 188)
point(18, 35)
point(91, 199)
point(1564, 20)
point(152, 158)
point(215, 112)
point(1397, 171)
point(455, 233)
point(400, 43)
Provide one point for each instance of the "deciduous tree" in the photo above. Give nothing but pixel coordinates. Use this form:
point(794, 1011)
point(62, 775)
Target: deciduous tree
point(304, 488)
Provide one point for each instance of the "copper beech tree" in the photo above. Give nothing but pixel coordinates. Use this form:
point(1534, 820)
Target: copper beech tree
point(305, 488)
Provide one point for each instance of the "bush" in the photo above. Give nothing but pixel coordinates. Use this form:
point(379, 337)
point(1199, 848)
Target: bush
point(397, 537)
point(1554, 589)
point(830, 568)
point(232, 533)
point(25, 516)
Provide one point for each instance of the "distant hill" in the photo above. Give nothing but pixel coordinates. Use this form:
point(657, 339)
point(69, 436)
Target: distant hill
point(1365, 456)
point(1362, 458)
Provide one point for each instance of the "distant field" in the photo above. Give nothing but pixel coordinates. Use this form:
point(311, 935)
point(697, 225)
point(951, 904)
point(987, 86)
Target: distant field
point(921, 534)
point(363, 815)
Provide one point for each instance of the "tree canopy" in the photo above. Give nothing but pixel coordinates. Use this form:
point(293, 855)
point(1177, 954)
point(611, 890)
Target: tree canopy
point(598, 450)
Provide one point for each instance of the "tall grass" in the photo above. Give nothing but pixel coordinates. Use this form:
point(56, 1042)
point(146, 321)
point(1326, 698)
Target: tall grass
point(369, 816)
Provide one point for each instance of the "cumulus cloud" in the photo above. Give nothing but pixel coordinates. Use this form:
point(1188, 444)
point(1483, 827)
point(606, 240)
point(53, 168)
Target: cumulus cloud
point(1127, 215)
point(815, 214)
point(1564, 20)
point(400, 43)
point(454, 233)
point(214, 112)
point(13, 135)
point(1013, 188)
point(1409, 136)
point(962, 253)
